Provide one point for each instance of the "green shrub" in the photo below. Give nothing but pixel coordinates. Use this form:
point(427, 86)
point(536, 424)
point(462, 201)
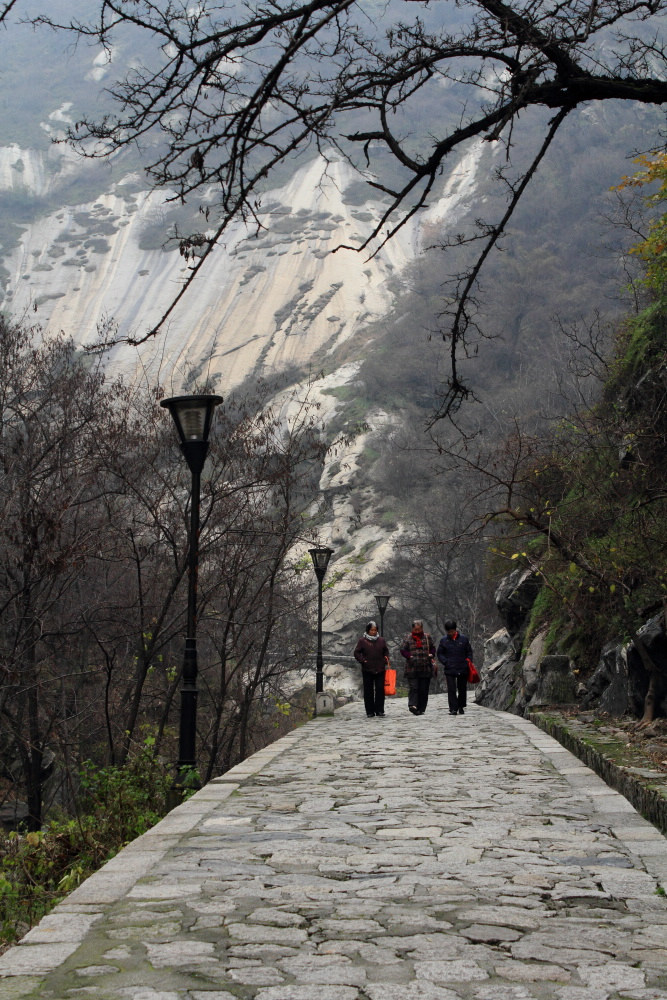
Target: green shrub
point(116, 804)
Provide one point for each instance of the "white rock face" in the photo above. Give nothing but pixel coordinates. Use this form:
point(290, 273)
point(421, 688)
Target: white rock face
point(264, 300)
point(459, 191)
point(367, 544)
point(35, 172)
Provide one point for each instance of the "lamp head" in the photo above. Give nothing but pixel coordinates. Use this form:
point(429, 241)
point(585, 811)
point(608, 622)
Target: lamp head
point(320, 557)
point(382, 602)
point(192, 416)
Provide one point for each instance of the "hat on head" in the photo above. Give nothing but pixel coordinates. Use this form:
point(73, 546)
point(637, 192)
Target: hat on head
point(418, 623)
point(370, 626)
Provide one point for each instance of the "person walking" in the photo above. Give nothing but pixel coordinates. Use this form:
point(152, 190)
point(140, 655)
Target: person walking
point(372, 653)
point(419, 651)
point(454, 651)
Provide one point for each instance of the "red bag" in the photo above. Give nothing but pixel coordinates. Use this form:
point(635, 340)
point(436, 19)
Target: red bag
point(473, 675)
point(390, 681)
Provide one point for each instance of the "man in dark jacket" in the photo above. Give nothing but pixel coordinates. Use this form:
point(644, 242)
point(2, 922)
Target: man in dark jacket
point(454, 651)
point(418, 650)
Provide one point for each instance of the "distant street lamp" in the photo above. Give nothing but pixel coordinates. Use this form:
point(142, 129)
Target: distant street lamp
point(382, 602)
point(192, 416)
point(320, 557)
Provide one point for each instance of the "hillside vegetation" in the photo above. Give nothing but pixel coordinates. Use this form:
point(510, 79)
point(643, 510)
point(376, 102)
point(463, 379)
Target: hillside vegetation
point(584, 505)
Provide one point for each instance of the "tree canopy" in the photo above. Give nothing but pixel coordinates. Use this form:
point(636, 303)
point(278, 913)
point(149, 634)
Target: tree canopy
point(394, 88)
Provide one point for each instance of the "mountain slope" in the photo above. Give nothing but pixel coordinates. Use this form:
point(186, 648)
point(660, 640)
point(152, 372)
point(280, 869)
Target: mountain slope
point(84, 249)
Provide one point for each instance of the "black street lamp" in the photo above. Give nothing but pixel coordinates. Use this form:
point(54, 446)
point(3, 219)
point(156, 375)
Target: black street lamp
point(320, 557)
point(382, 602)
point(192, 416)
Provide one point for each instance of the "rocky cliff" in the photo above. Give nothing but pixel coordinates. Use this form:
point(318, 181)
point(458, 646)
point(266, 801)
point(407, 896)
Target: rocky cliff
point(523, 673)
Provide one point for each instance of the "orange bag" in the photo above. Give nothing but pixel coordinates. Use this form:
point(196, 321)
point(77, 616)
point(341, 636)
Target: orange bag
point(390, 681)
point(473, 674)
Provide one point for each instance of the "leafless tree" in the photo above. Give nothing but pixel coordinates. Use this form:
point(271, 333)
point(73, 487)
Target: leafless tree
point(253, 499)
point(51, 416)
point(257, 608)
point(94, 534)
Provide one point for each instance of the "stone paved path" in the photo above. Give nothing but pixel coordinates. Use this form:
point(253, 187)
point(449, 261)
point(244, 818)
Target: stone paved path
point(410, 858)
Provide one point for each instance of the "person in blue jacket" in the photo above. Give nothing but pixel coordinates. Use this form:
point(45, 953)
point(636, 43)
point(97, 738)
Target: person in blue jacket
point(454, 651)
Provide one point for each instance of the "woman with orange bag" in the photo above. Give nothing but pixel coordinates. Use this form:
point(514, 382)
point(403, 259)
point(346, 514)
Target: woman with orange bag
point(372, 653)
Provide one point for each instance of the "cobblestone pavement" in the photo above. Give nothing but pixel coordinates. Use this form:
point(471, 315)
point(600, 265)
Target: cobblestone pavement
point(405, 858)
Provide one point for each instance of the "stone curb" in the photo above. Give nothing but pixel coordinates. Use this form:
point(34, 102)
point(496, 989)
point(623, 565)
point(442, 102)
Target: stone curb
point(648, 794)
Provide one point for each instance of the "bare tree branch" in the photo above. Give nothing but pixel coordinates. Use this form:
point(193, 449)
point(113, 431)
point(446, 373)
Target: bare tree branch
point(6, 8)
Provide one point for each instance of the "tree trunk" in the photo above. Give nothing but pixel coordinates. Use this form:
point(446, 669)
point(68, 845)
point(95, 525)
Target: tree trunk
point(34, 755)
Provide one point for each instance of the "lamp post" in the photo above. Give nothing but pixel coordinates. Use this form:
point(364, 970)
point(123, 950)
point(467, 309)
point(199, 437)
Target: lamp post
point(382, 602)
point(192, 416)
point(320, 557)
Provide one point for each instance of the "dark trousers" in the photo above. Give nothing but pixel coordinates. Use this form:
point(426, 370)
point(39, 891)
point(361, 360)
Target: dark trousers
point(373, 692)
point(418, 692)
point(457, 691)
